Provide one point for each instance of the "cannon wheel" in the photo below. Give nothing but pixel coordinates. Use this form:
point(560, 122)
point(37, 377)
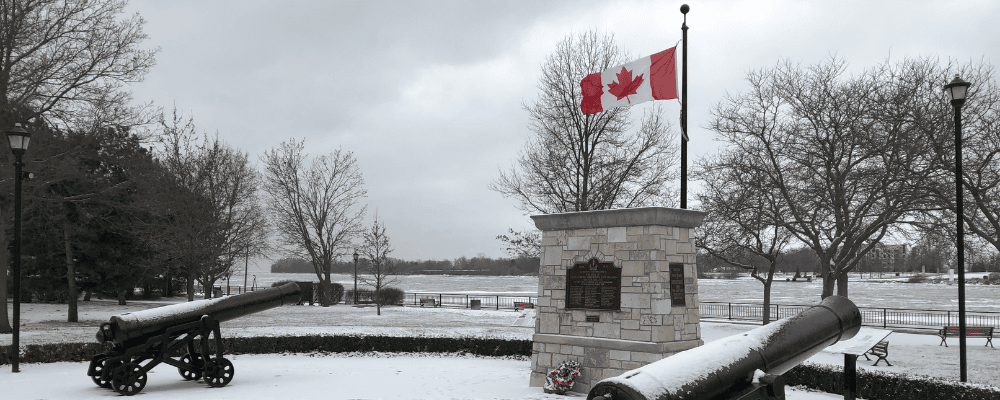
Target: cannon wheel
point(98, 363)
point(195, 360)
point(108, 372)
point(218, 372)
point(128, 379)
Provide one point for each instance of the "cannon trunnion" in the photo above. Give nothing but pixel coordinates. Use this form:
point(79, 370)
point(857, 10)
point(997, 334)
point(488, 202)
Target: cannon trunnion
point(180, 335)
point(746, 366)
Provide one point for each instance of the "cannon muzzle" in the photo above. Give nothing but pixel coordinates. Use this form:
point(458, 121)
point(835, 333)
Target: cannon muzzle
point(133, 328)
point(718, 367)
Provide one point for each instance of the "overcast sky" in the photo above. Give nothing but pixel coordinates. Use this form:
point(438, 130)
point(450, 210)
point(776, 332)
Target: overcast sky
point(428, 95)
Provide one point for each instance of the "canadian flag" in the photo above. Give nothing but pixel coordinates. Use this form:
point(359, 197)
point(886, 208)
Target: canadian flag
point(645, 79)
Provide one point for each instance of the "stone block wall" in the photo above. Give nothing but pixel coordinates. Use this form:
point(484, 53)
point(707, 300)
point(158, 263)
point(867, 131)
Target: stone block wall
point(646, 328)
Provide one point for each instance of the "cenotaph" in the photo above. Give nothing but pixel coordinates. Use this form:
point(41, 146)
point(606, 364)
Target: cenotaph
point(617, 289)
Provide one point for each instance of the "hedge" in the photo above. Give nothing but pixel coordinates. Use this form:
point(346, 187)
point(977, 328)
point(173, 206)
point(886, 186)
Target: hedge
point(876, 385)
point(57, 352)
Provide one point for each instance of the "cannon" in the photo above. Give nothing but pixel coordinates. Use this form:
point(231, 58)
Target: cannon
point(746, 366)
point(179, 335)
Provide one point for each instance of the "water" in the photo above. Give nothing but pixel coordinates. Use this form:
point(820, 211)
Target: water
point(920, 296)
point(926, 296)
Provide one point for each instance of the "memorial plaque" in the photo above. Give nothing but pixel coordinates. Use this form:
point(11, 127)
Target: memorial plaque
point(594, 286)
point(677, 285)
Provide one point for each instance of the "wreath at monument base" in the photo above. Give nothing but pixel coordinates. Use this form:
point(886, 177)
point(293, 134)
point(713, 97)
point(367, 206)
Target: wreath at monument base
point(561, 379)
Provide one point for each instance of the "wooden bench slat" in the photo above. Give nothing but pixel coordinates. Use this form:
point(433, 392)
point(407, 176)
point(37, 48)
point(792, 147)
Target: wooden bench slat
point(970, 331)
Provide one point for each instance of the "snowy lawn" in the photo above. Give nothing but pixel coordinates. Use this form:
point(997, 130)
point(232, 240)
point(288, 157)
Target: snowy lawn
point(312, 376)
point(392, 376)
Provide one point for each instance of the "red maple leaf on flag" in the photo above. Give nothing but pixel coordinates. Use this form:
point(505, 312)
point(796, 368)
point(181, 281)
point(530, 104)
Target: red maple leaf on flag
point(625, 85)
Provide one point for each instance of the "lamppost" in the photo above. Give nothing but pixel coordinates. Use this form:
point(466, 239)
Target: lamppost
point(355, 277)
point(18, 139)
point(957, 89)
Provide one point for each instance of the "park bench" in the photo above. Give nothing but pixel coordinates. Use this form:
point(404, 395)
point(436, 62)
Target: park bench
point(519, 305)
point(880, 350)
point(427, 301)
point(970, 331)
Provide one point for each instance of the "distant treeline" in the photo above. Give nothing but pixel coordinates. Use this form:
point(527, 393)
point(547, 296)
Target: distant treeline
point(463, 265)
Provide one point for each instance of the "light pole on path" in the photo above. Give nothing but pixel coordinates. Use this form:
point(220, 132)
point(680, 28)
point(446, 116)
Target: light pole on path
point(18, 139)
point(355, 277)
point(957, 90)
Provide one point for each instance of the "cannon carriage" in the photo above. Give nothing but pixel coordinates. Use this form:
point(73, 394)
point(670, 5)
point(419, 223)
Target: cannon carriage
point(181, 335)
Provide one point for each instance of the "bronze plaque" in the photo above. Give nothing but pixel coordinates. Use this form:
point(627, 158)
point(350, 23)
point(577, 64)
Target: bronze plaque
point(677, 285)
point(594, 286)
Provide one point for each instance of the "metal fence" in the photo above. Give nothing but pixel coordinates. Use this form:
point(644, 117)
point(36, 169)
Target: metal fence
point(466, 300)
point(881, 317)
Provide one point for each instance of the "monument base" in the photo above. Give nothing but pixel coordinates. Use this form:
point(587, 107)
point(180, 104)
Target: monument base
point(600, 358)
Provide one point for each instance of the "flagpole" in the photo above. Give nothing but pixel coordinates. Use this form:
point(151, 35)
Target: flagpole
point(684, 97)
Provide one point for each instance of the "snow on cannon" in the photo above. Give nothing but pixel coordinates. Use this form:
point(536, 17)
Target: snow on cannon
point(745, 366)
point(142, 340)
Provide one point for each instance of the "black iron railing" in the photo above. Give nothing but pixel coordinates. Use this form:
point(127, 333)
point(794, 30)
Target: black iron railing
point(881, 317)
point(467, 300)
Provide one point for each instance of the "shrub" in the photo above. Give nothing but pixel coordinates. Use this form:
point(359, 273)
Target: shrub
point(336, 292)
point(877, 385)
point(390, 295)
point(491, 347)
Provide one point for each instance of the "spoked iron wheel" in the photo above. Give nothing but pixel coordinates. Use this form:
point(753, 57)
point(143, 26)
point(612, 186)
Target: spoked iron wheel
point(108, 372)
point(195, 360)
point(99, 377)
point(218, 372)
point(128, 379)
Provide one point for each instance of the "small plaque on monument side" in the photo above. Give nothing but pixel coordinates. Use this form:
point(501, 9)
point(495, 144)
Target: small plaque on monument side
point(677, 285)
point(594, 286)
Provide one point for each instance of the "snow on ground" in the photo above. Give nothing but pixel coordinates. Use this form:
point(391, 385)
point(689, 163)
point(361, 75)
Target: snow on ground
point(345, 376)
point(338, 376)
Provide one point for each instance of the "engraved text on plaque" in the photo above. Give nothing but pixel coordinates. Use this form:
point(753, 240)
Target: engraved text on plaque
point(594, 285)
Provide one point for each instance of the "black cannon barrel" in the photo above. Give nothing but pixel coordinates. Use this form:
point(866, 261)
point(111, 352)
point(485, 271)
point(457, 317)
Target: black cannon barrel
point(135, 327)
point(705, 372)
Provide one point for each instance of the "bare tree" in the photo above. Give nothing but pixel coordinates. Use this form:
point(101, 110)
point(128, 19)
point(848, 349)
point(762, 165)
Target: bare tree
point(63, 58)
point(980, 152)
point(845, 157)
point(522, 244)
point(314, 209)
point(578, 162)
point(66, 61)
point(227, 221)
point(381, 269)
point(741, 228)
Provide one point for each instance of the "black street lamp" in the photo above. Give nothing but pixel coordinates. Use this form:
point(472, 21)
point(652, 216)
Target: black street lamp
point(355, 277)
point(957, 89)
point(18, 139)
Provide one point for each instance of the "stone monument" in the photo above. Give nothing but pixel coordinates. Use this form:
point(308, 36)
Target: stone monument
point(617, 289)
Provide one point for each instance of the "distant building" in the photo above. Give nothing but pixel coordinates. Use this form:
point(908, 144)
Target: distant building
point(885, 258)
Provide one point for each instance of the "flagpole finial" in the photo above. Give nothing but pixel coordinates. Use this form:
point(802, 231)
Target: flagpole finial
point(685, 8)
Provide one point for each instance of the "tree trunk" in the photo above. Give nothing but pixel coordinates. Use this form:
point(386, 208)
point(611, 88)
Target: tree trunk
point(121, 297)
point(828, 278)
point(168, 291)
point(209, 288)
point(326, 292)
point(86, 294)
point(71, 315)
point(767, 301)
point(842, 284)
point(190, 286)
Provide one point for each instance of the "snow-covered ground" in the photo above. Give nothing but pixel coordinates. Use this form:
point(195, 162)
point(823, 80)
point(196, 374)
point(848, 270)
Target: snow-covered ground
point(311, 376)
point(409, 376)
